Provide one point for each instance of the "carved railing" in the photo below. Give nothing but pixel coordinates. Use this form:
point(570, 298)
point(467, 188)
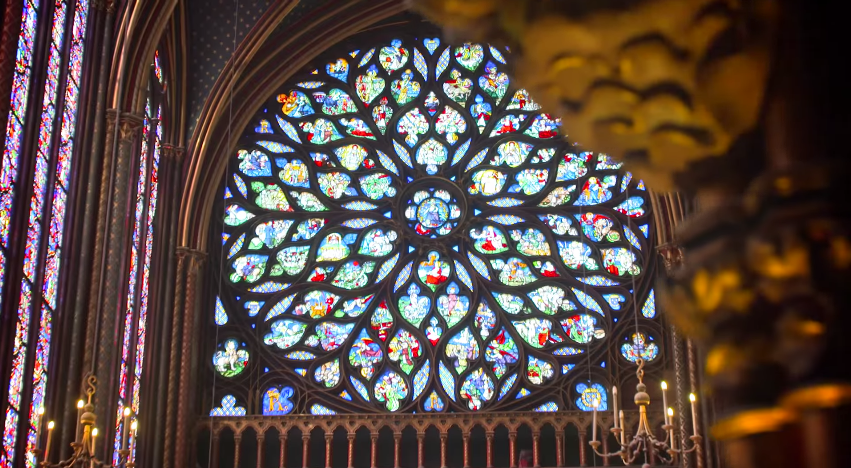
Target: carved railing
point(566, 432)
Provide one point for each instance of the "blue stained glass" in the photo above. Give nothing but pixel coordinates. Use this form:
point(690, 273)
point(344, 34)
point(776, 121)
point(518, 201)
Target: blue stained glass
point(627, 177)
point(221, 315)
point(270, 287)
point(434, 403)
point(234, 249)
point(588, 395)
point(431, 44)
point(359, 206)
point(614, 300)
point(228, 193)
point(505, 202)
point(463, 275)
point(387, 162)
point(288, 129)
point(506, 220)
point(421, 379)
point(522, 393)
point(565, 368)
point(645, 229)
point(403, 276)
point(359, 387)
point(649, 308)
point(630, 236)
point(461, 152)
point(365, 59)
point(386, 268)
point(588, 301)
point(597, 280)
point(228, 408)
point(280, 307)
point(479, 265)
point(240, 185)
point(497, 54)
point(548, 407)
point(442, 63)
point(276, 147)
point(568, 351)
point(359, 223)
point(345, 395)
point(320, 410)
point(420, 63)
point(604, 161)
point(277, 401)
point(403, 154)
point(632, 207)
point(477, 159)
point(506, 386)
point(301, 355)
point(640, 185)
point(263, 127)
point(446, 378)
point(310, 84)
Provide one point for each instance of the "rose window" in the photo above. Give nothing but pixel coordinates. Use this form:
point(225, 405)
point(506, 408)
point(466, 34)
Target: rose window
point(405, 230)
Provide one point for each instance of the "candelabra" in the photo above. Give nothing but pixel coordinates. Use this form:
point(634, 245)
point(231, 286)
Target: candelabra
point(644, 441)
point(84, 444)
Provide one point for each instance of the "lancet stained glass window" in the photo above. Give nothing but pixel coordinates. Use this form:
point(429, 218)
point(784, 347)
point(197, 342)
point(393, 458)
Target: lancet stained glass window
point(141, 249)
point(405, 230)
point(52, 161)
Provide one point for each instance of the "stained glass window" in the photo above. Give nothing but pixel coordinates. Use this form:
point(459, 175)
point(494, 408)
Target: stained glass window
point(136, 303)
point(52, 160)
point(408, 231)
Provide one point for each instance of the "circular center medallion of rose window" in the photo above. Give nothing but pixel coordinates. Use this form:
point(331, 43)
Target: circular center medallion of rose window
point(432, 211)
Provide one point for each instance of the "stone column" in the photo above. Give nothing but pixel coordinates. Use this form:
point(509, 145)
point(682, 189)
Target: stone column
point(187, 345)
point(560, 448)
point(443, 449)
point(489, 435)
point(351, 439)
point(110, 264)
point(261, 440)
point(328, 438)
point(305, 449)
point(373, 437)
point(583, 450)
point(512, 446)
point(536, 437)
point(466, 437)
point(282, 463)
point(237, 441)
point(420, 440)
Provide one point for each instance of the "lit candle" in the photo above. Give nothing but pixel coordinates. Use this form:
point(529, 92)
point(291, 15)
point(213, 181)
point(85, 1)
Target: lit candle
point(623, 429)
point(50, 426)
point(670, 418)
point(594, 425)
point(125, 428)
point(94, 437)
point(615, 402)
point(40, 412)
point(80, 405)
point(693, 412)
point(133, 428)
point(665, 400)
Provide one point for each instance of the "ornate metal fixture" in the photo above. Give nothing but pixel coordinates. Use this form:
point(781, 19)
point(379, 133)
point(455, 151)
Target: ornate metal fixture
point(644, 441)
point(84, 444)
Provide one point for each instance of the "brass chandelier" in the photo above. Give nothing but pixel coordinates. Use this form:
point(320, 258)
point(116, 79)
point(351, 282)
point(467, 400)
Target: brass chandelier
point(644, 441)
point(84, 444)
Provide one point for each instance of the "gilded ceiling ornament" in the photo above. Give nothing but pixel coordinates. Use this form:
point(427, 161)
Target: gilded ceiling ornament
point(660, 83)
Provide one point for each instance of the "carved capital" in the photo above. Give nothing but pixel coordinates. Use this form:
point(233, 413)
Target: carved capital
point(129, 124)
point(672, 255)
point(196, 257)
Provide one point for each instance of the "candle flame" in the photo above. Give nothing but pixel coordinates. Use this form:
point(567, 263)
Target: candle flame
point(127, 411)
point(692, 398)
point(51, 425)
point(664, 385)
point(80, 404)
point(670, 411)
point(134, 426)
point(40, 410)
point(95, 432)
